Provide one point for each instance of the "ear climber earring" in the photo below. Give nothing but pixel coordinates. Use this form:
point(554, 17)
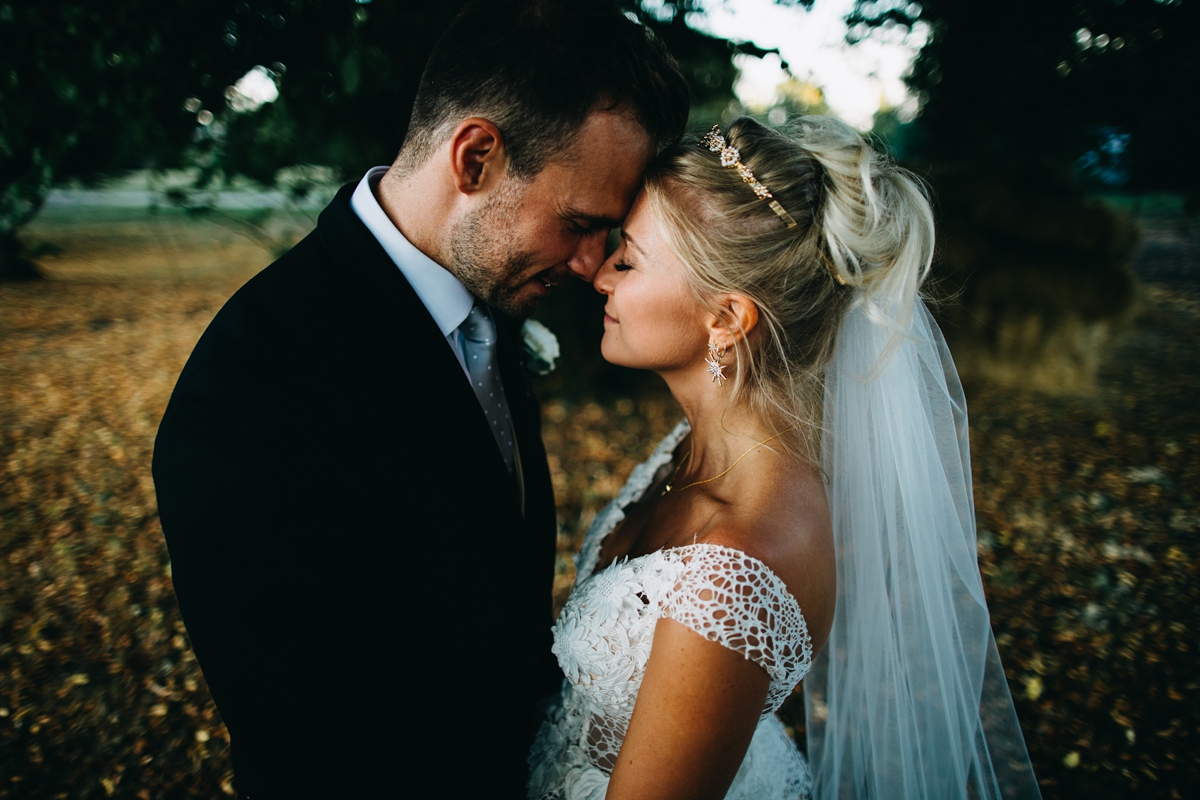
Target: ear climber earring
point(715, 367)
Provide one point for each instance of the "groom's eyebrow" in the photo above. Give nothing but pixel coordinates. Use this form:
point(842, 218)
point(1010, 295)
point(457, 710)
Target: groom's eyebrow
point(592, 219)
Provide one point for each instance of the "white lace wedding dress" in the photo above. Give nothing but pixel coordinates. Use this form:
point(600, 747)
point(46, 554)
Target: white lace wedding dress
point(604, 634)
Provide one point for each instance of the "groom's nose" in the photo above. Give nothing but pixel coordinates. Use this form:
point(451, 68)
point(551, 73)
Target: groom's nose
point(589, 255)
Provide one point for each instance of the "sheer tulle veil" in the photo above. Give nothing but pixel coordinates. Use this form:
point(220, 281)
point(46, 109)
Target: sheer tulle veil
point(908, 698)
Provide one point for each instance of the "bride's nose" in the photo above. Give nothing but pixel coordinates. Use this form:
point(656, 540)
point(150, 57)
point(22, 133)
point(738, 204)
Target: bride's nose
point(606, 275)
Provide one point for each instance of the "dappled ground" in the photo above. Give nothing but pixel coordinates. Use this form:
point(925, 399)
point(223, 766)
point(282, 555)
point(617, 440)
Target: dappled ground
point(1088, 517)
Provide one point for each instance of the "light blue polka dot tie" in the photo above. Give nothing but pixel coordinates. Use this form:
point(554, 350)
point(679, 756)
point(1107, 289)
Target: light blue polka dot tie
point(479, 351)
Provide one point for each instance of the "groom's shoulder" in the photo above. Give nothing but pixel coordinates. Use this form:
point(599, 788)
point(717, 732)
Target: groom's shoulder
point(299, 274)
point(309, 282)
point(284, 295)
point(310, 263)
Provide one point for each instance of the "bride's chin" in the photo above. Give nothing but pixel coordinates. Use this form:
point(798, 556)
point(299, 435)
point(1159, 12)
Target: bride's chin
point(610, 352)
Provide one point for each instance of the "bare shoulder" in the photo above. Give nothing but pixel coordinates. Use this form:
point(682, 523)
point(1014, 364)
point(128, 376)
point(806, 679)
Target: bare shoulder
point(782, 519)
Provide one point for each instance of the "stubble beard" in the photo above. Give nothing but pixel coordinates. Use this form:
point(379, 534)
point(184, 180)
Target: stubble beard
point(485, 258)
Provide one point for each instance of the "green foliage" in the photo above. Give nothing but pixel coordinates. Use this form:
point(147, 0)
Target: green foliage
point(1011, 97)
point(349, 74)
point(893, 134)
point(1029, 81)
point(705, 61)
point(85, 88)
point(796, 98)
point(93, 87)
point(1037, 282)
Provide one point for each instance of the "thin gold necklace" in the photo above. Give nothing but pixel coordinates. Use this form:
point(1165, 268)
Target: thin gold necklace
point(669, 487)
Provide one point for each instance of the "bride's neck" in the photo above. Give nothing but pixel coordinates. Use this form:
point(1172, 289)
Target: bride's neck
point(721, 432)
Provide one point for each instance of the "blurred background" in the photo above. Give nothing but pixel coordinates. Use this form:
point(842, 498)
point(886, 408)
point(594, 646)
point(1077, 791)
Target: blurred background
point(155, 155)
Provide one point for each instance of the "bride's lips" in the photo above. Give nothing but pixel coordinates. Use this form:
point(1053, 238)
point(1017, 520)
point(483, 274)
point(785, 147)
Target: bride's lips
point(609, 318)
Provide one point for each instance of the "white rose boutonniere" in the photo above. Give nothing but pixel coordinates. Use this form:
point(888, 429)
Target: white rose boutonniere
point(541, 347)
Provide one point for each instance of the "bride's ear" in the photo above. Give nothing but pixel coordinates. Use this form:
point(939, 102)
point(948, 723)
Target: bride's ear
point(735, 317)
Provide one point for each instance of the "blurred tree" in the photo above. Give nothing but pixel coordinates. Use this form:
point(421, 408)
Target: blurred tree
point(86, 87)
point(1035, 83)
point(347, 73)
point(794, 98)
point(92, 87)
point(1022, 107)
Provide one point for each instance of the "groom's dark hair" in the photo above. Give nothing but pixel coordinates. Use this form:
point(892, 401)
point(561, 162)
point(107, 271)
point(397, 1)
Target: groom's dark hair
point(536, 69)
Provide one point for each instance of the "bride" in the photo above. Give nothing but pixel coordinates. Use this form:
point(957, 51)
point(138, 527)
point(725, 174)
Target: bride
point(811, 516)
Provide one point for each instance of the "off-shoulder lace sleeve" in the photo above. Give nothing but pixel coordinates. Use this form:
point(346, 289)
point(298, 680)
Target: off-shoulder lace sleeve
point(737, 601)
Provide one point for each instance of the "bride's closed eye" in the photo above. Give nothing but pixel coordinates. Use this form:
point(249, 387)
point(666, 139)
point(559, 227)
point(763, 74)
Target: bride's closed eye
point(622, 266)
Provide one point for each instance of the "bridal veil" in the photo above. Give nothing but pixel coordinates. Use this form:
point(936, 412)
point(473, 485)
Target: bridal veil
point(908, 699)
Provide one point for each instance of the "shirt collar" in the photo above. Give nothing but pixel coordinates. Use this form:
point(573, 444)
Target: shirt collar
point(446, 299)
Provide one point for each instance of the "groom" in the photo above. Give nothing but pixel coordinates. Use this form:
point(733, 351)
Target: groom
point(350, 473)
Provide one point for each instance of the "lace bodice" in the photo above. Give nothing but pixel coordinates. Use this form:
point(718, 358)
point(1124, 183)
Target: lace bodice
point(604, 635)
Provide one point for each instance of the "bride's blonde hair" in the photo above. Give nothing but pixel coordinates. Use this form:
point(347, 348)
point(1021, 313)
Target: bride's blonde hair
point(858, 217)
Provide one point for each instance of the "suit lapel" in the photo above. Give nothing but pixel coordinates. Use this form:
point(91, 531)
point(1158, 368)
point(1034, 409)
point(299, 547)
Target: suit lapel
point(412, 354)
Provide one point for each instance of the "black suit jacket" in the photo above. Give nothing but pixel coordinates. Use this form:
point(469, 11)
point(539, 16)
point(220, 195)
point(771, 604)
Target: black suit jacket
point(367, 601)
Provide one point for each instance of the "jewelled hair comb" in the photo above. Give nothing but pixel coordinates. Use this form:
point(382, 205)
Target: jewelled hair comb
point(731, 158)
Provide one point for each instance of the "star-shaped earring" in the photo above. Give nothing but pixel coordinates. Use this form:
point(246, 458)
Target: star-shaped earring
point(715, 367)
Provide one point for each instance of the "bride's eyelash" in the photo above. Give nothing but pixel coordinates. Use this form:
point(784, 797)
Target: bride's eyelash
point(622, 266)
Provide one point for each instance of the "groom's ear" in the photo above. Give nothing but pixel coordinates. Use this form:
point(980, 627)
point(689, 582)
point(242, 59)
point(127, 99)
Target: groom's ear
point(477, 156)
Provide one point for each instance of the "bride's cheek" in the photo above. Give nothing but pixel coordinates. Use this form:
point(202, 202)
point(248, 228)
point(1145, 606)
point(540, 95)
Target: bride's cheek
point(608, 346)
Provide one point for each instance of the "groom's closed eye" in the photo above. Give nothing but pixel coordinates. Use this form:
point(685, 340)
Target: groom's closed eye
point(581, 229)
point(588, 224)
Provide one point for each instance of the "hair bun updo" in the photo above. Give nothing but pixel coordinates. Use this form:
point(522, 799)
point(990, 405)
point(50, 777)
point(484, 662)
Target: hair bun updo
point(864, 234)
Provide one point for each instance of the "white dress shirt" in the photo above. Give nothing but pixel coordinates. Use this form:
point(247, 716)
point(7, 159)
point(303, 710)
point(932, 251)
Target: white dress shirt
point(444, 297)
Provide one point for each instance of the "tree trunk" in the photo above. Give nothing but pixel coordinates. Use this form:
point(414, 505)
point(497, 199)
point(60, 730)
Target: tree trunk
point(14, 266)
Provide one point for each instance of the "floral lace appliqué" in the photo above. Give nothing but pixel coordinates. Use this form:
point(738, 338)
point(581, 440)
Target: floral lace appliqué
point(603, 636)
